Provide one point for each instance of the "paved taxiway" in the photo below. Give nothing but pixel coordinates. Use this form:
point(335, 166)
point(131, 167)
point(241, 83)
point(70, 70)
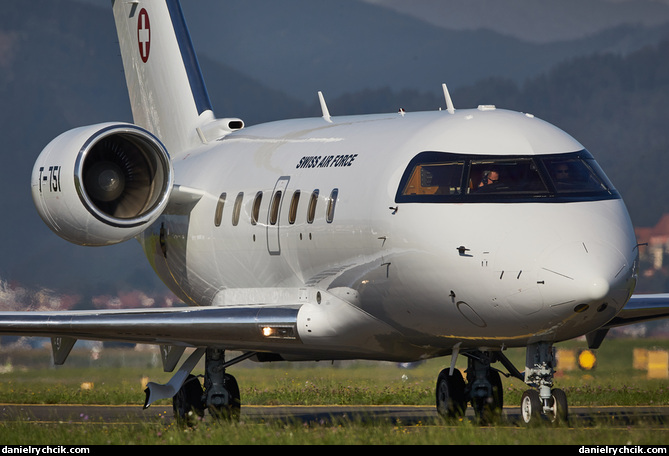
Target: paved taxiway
point(406, 415)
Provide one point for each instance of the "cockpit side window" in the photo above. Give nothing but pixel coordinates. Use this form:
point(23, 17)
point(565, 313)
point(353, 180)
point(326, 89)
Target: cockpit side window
point(437, 177)
point(575, 175)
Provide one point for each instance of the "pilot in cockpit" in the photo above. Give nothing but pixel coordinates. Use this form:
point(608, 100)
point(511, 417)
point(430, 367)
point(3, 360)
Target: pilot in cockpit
point(490, 177)
point(562, 172)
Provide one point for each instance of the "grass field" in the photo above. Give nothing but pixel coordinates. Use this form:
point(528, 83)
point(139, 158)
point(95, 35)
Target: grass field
point(115, 377)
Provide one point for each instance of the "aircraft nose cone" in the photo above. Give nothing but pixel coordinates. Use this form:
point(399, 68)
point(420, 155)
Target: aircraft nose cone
point(584, 273)
point(599, 288)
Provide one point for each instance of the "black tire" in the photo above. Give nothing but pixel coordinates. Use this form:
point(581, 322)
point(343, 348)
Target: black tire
point(560, 413)
point(187, 403)
point(530, 407)
point(450, 395)
point(489, 410)
point(230, 411)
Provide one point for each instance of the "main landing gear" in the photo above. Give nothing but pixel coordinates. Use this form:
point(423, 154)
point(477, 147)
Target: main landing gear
point(483, 388)
point(220, 395)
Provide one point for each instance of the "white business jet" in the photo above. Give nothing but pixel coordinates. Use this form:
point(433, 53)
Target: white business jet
point(396, 237)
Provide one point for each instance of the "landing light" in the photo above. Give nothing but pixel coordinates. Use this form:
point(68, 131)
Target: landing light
point(278, 332)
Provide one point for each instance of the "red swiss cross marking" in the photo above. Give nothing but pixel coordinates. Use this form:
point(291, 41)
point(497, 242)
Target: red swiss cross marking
point(144, 35)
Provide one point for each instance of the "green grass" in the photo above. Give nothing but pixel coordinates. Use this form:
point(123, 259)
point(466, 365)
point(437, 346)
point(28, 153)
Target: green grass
point(277, 433)
point(117, 374)
point(116, 378)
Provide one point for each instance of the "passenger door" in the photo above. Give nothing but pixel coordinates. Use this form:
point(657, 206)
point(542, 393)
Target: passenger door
point(274, 215)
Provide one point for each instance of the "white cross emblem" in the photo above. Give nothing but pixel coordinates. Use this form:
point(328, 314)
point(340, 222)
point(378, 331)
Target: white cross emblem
point(144, 35)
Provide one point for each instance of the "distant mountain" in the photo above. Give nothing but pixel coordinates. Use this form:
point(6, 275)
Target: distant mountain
point(299, 47)
point(302, 46)
point(534, 21)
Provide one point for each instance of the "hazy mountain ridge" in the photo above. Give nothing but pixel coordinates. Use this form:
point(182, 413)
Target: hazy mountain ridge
point(302, 46)
point(534, 21)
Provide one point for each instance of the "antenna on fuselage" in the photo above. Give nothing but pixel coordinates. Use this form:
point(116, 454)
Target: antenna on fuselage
point(449, 103)
point(324, 107)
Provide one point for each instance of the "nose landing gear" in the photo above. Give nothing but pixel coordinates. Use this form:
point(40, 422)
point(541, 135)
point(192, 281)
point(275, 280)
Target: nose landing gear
point(544, 400)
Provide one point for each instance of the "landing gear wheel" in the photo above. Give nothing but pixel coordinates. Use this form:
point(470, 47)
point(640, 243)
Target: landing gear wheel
point(227, 406)
point(187, 403)
point(451, 402)
point(560, 412)
point(530, 407)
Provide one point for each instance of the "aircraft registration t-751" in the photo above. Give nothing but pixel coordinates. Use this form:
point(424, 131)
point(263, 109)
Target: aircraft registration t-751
point(399, 236)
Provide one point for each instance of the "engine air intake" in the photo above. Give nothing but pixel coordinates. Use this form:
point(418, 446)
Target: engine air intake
point(122, 175)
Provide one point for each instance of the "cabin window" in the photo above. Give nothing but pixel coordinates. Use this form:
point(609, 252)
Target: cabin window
point(255, 210)
point(218, 214)
point(332, 202)
point(274, 209)
point(237, 209)
point(294, 202)
point(311, 209)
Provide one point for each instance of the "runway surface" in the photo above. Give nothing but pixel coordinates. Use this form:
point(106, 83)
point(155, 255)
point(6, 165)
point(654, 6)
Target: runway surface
point(397, 414)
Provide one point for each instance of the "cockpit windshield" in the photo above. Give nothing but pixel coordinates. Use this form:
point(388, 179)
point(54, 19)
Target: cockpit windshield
point(444, 177)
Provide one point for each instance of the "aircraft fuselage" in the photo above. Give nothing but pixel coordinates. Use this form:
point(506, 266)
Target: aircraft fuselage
point(427, 271)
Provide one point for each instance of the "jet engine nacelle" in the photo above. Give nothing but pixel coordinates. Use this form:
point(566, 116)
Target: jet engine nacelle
point(102, 184)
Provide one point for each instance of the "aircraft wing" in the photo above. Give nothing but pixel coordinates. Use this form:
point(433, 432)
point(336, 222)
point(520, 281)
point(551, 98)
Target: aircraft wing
point(640, 308)
point(256, 328)
point(261, 328)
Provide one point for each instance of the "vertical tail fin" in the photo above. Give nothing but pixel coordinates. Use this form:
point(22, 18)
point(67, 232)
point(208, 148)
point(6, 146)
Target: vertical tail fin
point(167, 92)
